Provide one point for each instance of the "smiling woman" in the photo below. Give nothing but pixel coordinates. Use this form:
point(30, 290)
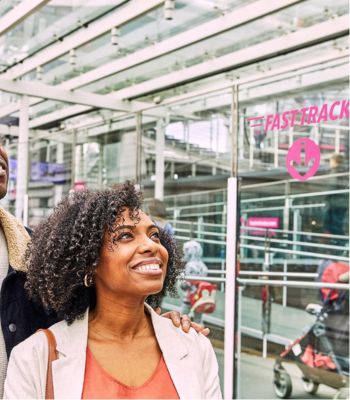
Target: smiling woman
point(99, 262)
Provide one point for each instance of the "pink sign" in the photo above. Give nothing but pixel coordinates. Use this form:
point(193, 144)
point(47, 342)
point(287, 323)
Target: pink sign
point(263, 223)
point(303, 159)
point(79, 186)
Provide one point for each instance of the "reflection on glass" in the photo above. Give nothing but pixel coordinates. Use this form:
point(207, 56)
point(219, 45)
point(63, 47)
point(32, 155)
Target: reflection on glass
point(293, 302)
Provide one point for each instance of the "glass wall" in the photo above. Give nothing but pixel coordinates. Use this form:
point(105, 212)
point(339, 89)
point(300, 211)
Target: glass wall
point(293, 329)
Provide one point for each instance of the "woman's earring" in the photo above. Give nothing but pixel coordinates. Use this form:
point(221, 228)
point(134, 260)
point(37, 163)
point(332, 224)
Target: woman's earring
point(88, 281)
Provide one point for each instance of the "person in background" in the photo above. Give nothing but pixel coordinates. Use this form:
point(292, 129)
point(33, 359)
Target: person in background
point(101, 264)
point(157, 212)
point(194, 266)
point(19, 316)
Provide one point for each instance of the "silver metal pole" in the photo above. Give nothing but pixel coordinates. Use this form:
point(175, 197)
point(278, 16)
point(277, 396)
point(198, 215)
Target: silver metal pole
point(230, 298)
point(74, 159)
point(239, 342)
point(138, 147)
point(160, 145)
point(298, 284)
point(284, 299)
point(231, 256)
point(22, 158)
point(25, 209)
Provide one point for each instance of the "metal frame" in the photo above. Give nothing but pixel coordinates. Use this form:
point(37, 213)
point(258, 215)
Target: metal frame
point(133, 10)
point(304, 37)
point(19, 13)
point(37, 89)
point(242, 15)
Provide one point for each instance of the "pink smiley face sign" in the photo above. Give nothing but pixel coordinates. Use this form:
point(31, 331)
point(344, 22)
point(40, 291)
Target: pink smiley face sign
point(303, 159)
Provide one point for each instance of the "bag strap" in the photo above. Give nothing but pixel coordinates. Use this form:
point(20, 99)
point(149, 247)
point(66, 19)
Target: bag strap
point(53, 355)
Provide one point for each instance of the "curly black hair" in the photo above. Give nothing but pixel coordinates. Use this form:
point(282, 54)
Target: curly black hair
point(67, 245)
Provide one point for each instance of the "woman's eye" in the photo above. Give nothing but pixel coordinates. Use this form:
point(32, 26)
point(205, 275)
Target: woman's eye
point(155, 235)
point(125, 235)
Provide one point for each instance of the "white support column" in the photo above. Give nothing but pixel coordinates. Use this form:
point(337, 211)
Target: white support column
point(22, 158)
point(230, 297)
point(160, 145)
point(275, 148)
point(251, 147)
point(58, 193)
point(194, 169)
point(241, 138)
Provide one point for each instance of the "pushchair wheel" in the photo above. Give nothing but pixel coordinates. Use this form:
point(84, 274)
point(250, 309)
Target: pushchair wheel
point(310, 386)
point(282, 384)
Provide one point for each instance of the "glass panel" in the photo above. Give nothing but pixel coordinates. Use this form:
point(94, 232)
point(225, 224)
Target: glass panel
point(49, 176)
point(294, 238)
point(106, 154)
point(51, 23)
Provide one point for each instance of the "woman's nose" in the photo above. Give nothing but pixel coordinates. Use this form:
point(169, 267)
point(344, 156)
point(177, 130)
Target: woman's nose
point(147, 245)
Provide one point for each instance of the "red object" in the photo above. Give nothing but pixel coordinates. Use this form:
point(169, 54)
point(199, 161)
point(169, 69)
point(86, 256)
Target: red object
point(264, 294)
point(308, 357)
point(203, 299)
point(318, 360)
point(331, 275)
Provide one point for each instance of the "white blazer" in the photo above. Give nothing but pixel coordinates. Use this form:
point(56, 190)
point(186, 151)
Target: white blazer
point(189, 357)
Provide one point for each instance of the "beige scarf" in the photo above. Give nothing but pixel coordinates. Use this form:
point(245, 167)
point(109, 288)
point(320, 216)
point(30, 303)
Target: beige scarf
point(17, 239)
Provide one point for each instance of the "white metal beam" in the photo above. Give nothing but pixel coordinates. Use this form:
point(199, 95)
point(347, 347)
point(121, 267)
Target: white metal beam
point(19, 13)
point(243, 15)
point(36, 89)
point(303, 37)
point(287, 80)
point(214, 86)
point(134, 9)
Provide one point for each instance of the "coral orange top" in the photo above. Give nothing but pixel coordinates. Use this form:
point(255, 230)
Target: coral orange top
point(98, 384)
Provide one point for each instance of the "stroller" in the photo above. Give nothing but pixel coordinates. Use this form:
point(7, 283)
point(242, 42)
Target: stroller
point(322, 353)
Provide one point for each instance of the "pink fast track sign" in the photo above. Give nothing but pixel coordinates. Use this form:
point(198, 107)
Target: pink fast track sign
point(337, 110)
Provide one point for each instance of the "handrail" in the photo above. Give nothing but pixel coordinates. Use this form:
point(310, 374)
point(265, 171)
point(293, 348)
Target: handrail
point(204, 278)
point(298, 284)
point(284, 181)
point(295, 242)
point(273, 273)
point(297, 252)
point(295, 196)
point(283, 231)
point(287, 231)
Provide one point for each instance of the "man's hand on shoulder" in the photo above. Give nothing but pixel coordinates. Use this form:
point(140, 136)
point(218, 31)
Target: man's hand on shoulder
point(184, 321)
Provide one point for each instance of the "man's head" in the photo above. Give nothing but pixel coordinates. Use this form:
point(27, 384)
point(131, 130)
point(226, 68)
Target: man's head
point(4, 171)
point(336, 161)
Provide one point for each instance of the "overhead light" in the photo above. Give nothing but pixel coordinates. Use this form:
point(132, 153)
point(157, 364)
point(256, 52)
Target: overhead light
point(115, 34)
point(169, 7)
point(72, 57)
point(39, 73)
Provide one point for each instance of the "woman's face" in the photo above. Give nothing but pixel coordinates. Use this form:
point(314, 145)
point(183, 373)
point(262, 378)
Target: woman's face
point(132, 260)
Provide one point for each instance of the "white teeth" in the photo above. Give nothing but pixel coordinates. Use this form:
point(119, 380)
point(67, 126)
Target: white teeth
point(148, 267)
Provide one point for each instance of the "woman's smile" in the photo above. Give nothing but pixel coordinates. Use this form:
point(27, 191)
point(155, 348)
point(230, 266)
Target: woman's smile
point(149, 266)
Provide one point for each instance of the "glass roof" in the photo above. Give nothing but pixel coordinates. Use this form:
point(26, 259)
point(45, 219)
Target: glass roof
point(52, 23)
point(59, 19)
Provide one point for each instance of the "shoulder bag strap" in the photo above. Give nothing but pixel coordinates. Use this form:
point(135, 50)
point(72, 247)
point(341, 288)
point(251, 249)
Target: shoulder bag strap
point(49, 393)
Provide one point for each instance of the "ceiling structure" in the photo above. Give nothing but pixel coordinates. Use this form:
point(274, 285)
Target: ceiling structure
point(87, 63)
